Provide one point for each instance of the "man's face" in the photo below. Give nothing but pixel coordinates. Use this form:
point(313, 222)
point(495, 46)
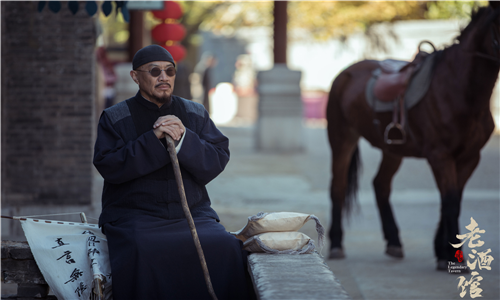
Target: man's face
point(155, 89)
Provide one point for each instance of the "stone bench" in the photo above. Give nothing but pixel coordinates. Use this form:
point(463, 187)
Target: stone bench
point(19, 267)
point(274, 276)
point(283, 276)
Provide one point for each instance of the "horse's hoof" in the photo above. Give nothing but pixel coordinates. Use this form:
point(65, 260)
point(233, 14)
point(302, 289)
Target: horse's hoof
point(336, 253)
point(394, 251)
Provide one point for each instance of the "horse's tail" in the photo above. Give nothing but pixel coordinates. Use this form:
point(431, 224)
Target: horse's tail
point(352, 182)
point(335, 121)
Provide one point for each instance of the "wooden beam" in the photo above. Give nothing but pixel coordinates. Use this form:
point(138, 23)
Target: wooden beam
point(136, 30)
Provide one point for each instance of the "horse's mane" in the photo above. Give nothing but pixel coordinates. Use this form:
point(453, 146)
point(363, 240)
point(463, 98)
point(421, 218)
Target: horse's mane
point(476, 15)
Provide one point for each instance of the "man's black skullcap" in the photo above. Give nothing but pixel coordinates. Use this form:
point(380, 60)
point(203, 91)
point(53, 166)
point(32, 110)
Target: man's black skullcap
point(151, 53)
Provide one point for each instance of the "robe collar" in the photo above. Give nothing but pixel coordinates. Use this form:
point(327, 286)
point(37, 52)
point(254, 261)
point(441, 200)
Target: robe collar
point(150, 105)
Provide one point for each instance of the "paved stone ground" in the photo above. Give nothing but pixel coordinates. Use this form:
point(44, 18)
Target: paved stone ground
point(254, 182)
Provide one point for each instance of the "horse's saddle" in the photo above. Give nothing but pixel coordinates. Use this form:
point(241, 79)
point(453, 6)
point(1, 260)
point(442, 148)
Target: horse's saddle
point(395, 78)
point(397, 86)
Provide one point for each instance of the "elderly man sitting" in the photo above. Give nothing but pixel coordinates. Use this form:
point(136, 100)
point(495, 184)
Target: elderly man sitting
point(151, 250)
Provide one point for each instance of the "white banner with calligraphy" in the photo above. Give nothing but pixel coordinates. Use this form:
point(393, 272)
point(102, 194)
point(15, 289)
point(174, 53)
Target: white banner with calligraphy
point(70, 256)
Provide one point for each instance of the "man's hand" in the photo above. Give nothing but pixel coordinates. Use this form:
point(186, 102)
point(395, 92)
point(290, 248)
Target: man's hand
point(170, 125)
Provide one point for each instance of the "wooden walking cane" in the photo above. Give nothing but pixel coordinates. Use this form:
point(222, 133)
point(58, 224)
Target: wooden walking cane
point(185, 207)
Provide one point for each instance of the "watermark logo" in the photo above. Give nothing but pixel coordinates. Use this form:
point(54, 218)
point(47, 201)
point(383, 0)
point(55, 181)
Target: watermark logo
point(459, 255)
point(481, 260)
point(453, 267)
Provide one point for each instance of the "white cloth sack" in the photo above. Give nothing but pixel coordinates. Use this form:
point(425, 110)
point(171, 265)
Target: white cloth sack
point(291, 242)
point(70, 256)
point(278, 222)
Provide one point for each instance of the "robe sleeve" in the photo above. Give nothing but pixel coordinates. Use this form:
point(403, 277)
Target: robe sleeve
point(204, 155)
point(119, 161)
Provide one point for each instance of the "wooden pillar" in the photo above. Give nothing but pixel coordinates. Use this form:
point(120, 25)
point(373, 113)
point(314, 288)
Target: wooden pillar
point(136, 30)
point(280, 33)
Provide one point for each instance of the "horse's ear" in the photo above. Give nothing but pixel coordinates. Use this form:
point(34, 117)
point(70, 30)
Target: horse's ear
point(496, 7)
point(494, 4)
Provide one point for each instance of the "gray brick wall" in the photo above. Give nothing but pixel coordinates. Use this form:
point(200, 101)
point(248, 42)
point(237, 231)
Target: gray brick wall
point(48, 91)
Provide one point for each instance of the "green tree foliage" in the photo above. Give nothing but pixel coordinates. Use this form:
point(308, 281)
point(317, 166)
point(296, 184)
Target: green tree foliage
point(325, 20)
point(225, 16)
point(338, 19)
point(322, 19)
point(451, 9)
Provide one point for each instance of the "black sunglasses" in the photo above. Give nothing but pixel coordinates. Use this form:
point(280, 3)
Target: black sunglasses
point(155, 72)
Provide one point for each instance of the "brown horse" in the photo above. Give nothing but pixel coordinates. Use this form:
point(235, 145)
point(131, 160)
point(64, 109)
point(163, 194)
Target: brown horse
point(448, 127)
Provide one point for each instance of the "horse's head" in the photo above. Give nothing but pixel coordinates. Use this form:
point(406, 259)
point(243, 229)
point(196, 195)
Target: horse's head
point(482, 36)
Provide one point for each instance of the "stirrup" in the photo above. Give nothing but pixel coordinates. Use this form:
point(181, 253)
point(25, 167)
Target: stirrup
point(388, 129)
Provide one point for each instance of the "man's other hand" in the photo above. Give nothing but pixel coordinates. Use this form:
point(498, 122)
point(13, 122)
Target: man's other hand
point(170, 125)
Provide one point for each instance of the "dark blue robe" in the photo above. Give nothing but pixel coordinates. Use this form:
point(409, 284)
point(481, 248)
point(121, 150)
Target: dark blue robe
point(151, 249)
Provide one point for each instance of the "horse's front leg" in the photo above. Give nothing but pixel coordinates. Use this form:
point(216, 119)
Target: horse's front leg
point(445, 173)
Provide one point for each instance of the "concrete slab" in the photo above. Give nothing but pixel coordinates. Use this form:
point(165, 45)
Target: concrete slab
point(284, 276)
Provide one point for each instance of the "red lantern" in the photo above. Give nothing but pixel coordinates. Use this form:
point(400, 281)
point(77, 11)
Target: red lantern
point(178, 51)
point(168, 32)
point(171, 10)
